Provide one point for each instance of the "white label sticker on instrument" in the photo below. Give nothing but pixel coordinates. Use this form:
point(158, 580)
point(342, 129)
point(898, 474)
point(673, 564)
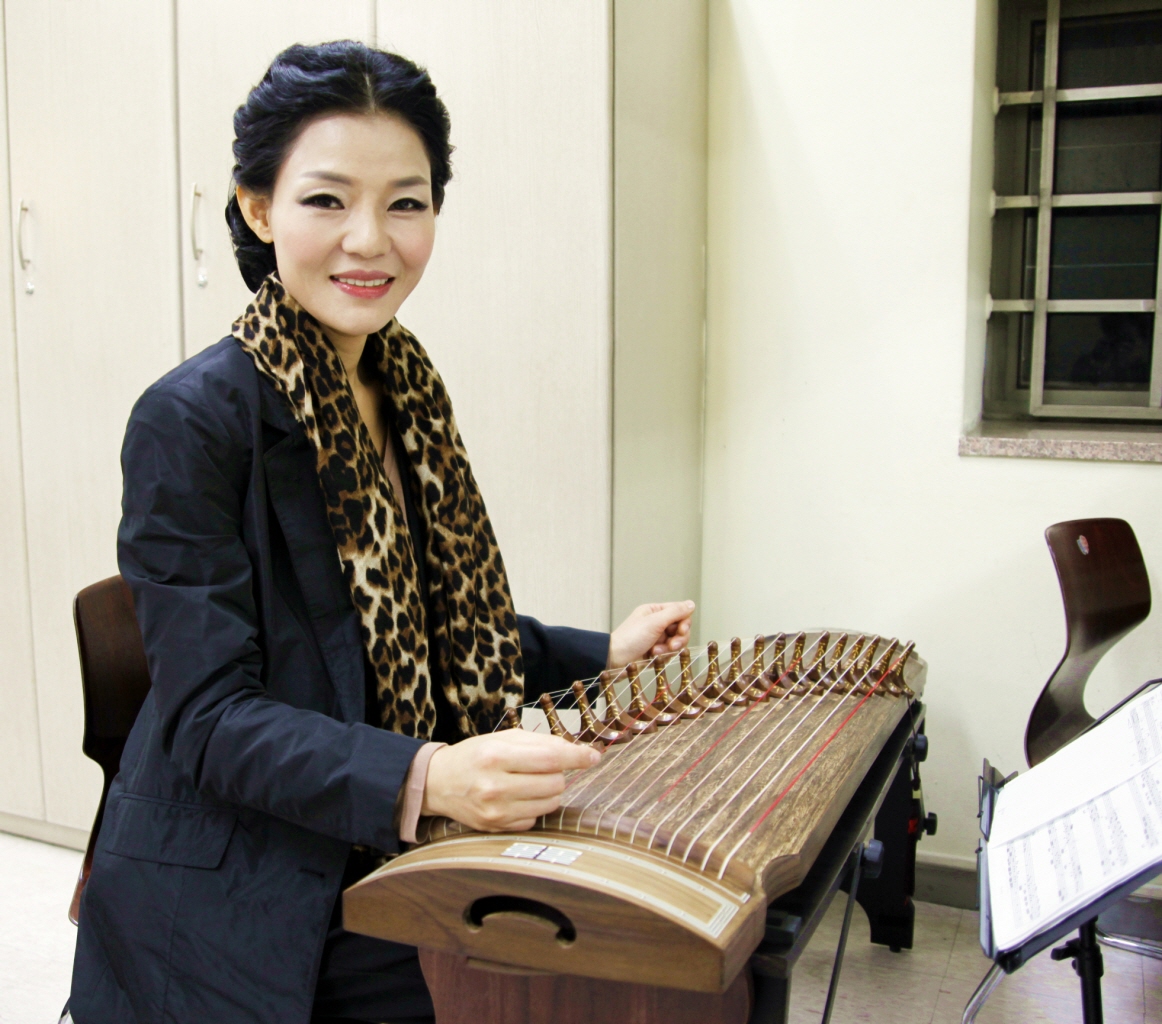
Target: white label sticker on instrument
point(558, 855)
point(524, 851)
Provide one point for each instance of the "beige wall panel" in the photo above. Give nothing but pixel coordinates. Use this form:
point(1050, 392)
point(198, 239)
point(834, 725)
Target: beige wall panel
point(515, 308)
point(841, 192)
point(92, 136)
point(20, 782)
point(224, 46)
point(659, 189)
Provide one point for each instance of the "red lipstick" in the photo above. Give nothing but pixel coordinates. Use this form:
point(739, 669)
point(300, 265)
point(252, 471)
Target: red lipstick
point(363, 284)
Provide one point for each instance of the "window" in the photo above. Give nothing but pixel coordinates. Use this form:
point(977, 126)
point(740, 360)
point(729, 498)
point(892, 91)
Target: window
point(1075, 281)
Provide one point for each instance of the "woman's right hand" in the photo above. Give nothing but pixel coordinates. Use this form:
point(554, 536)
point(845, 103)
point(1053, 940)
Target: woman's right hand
point(504, 781)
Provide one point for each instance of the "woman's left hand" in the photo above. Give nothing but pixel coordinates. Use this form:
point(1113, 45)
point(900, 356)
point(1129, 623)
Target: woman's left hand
point(650, 630)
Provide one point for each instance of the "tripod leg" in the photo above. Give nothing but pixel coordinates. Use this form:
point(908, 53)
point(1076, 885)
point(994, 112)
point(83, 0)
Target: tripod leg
point(983, 991)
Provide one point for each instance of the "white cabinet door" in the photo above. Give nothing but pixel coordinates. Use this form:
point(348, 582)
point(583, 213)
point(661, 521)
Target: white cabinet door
point(93, 149)
point(224, 46)
point(515, 305)
point(20, 790)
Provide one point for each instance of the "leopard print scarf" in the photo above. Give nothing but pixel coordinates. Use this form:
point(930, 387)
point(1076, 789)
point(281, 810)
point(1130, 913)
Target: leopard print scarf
point(477, 656)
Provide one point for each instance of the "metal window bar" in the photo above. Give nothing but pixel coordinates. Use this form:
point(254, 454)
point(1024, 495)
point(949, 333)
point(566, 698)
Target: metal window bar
point(1081, 199)
point(1075, 305)
point(1156, 355)
point(1048, 96)
point(1088, 95)
point(1044, 205)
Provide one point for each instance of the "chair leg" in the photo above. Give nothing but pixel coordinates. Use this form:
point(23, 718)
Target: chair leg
point(1124, 942)
point(1133, 924)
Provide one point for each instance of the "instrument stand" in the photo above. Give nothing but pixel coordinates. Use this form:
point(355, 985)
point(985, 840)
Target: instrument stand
point(900, 824)
point(885, 796)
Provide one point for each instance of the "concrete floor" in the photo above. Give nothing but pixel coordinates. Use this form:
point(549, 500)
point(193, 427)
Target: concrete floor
point(926, 985)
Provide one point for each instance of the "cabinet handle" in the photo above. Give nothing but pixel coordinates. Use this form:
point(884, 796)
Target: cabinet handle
point(194, 197)
point(24, 260)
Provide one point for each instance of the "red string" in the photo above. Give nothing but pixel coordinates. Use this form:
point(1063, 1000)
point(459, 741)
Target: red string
point(726, 733)
point(815, 756)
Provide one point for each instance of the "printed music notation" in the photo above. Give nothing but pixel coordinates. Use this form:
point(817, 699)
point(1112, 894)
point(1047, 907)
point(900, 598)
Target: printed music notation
point(1078, 825)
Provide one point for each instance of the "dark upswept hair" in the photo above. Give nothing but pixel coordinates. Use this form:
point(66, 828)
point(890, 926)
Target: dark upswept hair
point(307, 82)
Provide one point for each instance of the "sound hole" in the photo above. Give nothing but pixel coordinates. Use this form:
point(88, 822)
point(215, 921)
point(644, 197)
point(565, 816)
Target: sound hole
point(474, 916)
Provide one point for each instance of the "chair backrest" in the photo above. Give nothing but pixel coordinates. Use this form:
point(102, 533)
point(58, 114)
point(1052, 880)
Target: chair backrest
point(114, 683)
point(1106, 593)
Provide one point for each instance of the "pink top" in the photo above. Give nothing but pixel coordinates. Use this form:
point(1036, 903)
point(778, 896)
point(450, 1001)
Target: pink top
point(413, 791)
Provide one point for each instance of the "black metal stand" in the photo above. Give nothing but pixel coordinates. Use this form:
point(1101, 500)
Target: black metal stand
point(900, 823)
point(793, 917)
point(888, 900)
point(1087, 963)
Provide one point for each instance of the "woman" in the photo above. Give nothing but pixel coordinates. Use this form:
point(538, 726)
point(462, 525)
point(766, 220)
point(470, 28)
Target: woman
point(319, 590)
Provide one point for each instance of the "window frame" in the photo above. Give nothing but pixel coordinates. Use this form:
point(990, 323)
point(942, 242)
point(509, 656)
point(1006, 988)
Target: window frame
point(1002, 395)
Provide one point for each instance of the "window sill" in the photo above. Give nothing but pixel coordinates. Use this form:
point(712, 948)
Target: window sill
point(1107, 442)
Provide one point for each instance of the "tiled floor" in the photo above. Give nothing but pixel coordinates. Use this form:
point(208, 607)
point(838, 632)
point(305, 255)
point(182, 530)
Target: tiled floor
point(926, 985)
point(36, 938)
point(932, 982)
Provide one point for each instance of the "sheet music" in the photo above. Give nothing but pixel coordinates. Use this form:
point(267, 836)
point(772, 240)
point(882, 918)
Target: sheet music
point(1079, 824)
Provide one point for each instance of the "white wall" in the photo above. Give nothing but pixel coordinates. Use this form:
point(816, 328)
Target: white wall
point(659, 237)
point(514, 308)
point(842, 307)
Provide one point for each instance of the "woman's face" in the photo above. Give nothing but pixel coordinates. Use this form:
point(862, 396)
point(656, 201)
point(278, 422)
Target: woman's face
point(351, 219)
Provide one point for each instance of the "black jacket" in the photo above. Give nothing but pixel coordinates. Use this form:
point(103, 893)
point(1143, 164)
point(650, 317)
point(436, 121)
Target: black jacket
point(250, 770)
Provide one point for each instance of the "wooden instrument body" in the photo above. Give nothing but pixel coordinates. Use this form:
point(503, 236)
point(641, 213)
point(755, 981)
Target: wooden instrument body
point(594, 917)
point(661, 863)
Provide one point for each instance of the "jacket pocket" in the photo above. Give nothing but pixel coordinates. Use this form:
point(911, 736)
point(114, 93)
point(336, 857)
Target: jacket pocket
point(167, 832)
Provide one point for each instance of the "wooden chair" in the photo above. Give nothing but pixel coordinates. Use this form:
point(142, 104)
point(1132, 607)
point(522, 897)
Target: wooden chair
point(1107, 594)
point(114, 681)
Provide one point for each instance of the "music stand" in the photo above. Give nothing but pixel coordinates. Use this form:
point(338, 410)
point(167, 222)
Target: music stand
point(1082, 950)
point(1105, 590)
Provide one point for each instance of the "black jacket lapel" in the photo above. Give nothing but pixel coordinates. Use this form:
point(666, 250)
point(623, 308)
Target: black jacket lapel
point(293, 488)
